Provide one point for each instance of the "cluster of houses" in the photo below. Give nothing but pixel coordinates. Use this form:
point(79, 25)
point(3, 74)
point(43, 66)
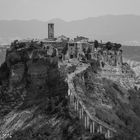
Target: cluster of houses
point(83, 49)
point(80, 48)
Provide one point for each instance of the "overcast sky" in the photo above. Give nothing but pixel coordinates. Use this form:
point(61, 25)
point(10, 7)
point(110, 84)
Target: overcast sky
point(65, 9)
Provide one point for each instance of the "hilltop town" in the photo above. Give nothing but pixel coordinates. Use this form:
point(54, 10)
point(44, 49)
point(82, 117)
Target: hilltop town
point(81, 85)
point(108, 55)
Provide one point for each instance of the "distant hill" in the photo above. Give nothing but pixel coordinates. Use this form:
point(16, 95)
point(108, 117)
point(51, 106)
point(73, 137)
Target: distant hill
point(131, 52)
point(122, 28)
point(2, 55)
point(131, 55)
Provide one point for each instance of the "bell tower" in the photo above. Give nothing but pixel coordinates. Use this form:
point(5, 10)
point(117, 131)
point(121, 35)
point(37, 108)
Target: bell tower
point(51, 31)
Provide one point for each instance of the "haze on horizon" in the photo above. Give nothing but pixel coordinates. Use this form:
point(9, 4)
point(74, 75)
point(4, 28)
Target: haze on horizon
point(65, 9)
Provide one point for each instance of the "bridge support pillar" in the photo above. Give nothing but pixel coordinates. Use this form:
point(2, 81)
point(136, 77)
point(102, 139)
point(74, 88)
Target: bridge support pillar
point(77, 106)
point(71, 98)
point(92, 127)
point(81, 116)
point(82, 113)
point(108, 134)
point(87, 120)
point(100, 129)
point(75, 103)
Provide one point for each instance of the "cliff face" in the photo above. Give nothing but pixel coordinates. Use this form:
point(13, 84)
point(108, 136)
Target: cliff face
point(33, 97)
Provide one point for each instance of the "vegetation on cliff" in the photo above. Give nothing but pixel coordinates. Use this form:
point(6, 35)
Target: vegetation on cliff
point(113, 104)
point(33, 98)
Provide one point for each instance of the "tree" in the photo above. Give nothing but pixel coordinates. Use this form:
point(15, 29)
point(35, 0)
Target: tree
point(117, 46)
point(4, 72)
point(96, 44)
point(108, 45)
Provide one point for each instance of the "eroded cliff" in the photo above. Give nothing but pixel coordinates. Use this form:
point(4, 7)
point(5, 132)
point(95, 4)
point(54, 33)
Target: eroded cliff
point(33, 96)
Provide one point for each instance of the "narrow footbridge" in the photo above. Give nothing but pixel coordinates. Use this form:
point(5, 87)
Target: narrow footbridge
point(90, 122)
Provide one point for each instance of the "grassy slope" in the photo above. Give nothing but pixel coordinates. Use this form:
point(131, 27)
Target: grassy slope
point(114, 105)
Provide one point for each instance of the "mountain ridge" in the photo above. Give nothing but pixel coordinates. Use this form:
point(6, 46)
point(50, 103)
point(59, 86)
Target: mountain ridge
point(117, 28)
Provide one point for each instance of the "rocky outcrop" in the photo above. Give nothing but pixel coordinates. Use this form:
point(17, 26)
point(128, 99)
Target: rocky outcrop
point(33, 97)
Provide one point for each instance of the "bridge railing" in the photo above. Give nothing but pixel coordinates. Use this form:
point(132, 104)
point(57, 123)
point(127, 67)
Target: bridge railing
point(91, 123)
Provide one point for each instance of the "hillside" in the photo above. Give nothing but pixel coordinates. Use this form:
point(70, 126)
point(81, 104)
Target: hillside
point(112, 103)
point(34, 102)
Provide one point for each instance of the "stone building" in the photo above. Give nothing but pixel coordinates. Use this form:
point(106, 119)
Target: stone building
point(51, 31)
point(72, 49)
point(80, 52)
point(59, 45)
point(81, 38)
point(80, 49)
point(62, 38)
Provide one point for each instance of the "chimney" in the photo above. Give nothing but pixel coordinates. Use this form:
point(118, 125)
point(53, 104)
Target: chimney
point(51, 31)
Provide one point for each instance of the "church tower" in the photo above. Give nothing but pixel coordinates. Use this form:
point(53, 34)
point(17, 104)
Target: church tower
point(51, 31)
